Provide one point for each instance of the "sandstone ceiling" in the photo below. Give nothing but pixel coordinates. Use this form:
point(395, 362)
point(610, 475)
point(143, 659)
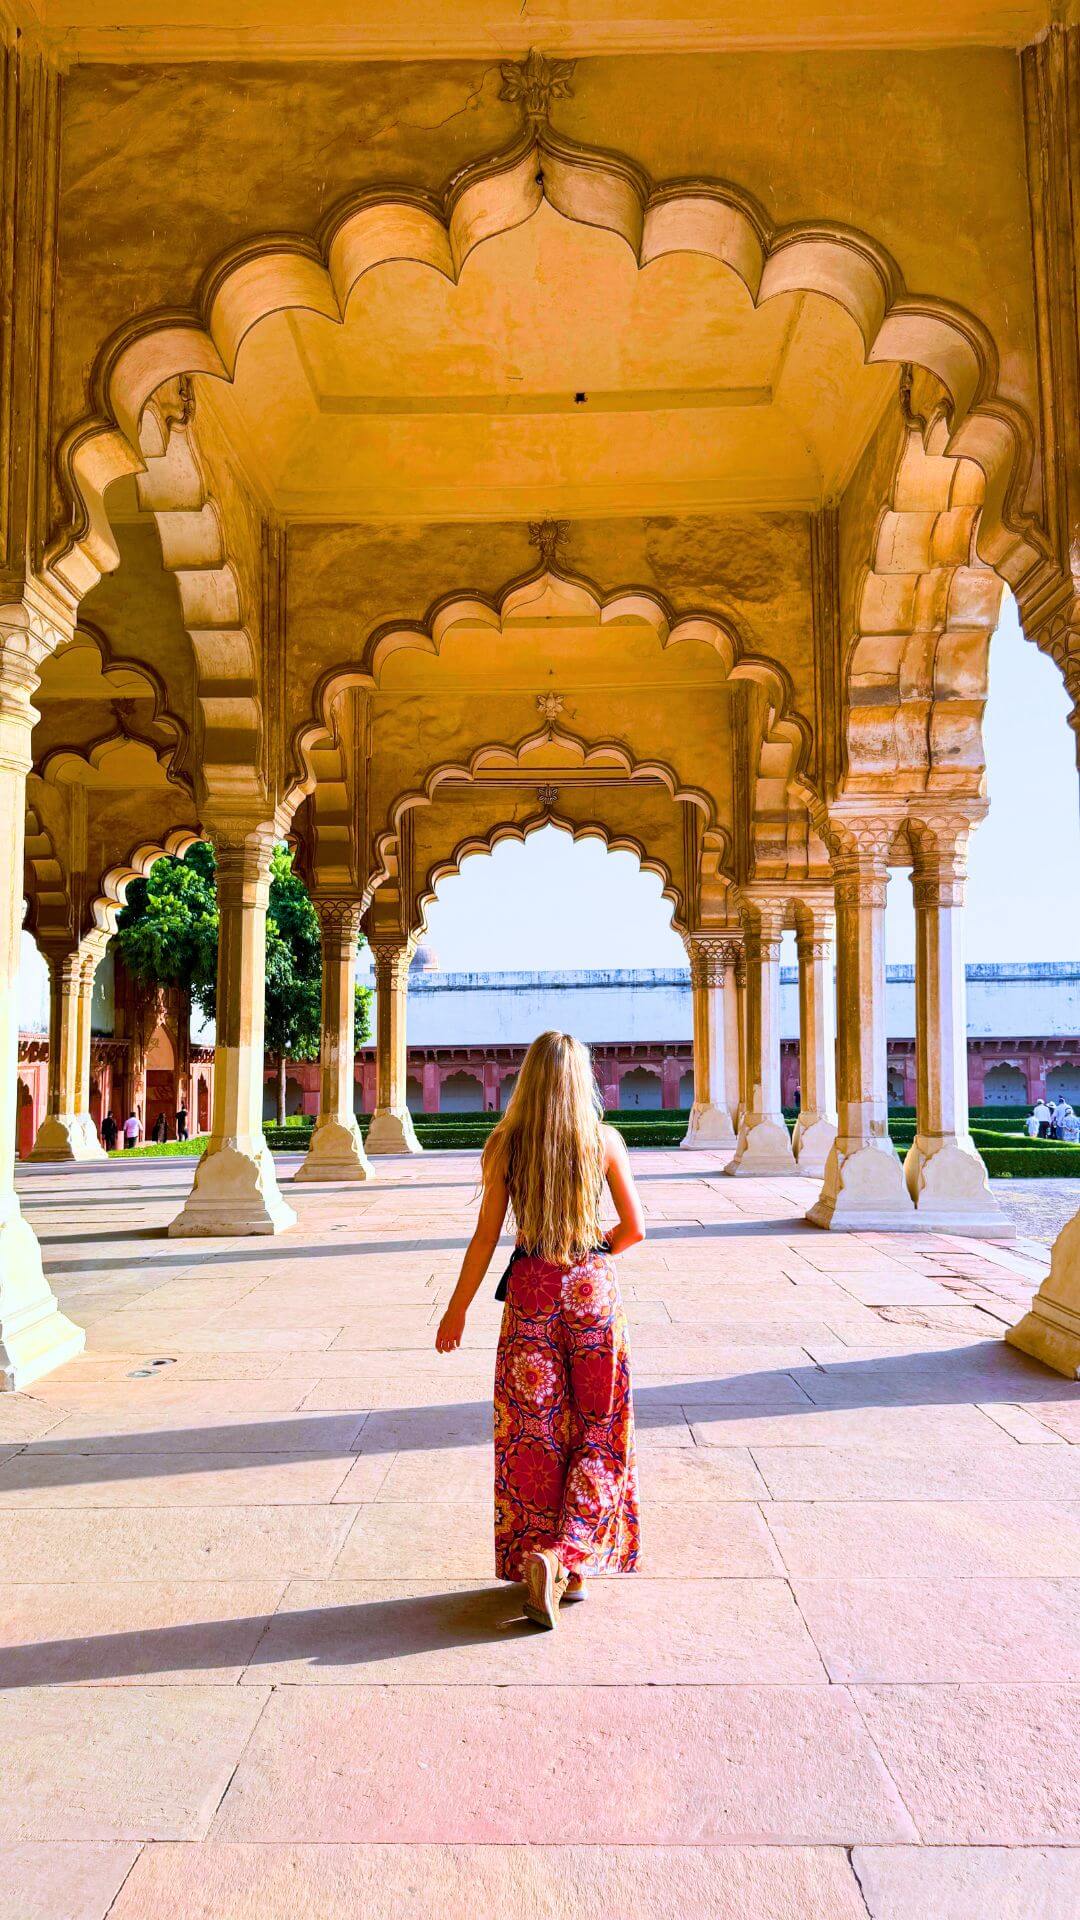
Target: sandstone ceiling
point(556, 377)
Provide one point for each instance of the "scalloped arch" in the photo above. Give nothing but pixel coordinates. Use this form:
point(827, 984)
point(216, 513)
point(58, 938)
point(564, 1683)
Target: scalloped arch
point(111, 891)
point(521, 831)
point(495, 193)
point(535, 595)
point(609, 754)
point(916, 670)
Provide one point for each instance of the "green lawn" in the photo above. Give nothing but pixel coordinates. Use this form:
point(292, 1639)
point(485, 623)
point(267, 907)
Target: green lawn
point(998, 1134)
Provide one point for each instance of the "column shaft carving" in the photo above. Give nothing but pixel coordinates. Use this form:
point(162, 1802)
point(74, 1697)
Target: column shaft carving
point(763, 1145)
point(235, 1189)
point(863, 1184)
point(944, 1173)
point(712, 982)
point(815, 1128)
point(337, 1151)
point(391, 1129)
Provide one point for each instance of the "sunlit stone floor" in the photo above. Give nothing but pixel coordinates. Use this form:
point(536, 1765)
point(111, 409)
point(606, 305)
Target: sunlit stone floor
point(255, 1667)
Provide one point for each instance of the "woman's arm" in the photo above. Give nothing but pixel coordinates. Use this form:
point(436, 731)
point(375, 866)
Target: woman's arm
point(631, 1226)
point(477, 1259)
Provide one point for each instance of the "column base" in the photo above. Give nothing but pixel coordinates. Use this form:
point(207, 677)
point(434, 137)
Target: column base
point(763, 1148)
point(63, 1136)
point(1050, 1330)
point(947, 1181)
point(812, 1142)
point(35, 1336)
point(864, 1190)
point(336, 1152)
point(235, 1192)
point(392, 1131)
point(709, 1127)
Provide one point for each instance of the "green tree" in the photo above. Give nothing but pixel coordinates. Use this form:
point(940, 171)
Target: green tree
point(168, 935)
point(167, 932)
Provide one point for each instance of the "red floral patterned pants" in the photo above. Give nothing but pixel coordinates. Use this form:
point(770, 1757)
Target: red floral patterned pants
point(564, 1420)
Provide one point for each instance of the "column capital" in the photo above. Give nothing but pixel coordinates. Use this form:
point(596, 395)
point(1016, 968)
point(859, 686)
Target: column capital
point(939, 848)
point(338, 918)
point(242, 860)
point(392, 960)
point(710, 956)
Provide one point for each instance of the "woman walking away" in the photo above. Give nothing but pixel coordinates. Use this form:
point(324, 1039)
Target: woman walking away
point(565, 1479)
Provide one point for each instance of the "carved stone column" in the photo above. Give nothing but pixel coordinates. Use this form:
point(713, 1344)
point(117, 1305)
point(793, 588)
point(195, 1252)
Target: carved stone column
point(67, 1131)
point(235, 1189)
point(60, 1135)
point(391, 1129)
point(864, 1181)
point(93, 948)
point(945, 1175)
point(712, 963)
point(735, 1034)
point(815, 1128)
point(337, 1150)
point(34, 1335)
point(764, 1144)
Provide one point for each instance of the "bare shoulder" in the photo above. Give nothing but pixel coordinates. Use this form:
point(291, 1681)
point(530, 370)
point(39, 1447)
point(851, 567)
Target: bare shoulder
point(614, 1146)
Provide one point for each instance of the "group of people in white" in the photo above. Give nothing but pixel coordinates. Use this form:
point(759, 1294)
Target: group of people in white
point(1053, 1120)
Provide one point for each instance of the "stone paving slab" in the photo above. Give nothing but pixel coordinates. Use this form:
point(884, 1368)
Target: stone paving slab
point(120, 1763)
point(243, 1882)
point(995, 1765)
point(66, 1880)
point(630, 1765)
point(969, 1883)
point(714, 1632)
point(255, 1663)
point(914, 1630)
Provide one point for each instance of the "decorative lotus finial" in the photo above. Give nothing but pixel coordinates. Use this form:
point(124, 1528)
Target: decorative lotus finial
point(536, 81)
point(547, 536)
point(550, 705)
point(548, 797)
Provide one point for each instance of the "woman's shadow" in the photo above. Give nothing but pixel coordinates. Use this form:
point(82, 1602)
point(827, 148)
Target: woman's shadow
point(366, 1634)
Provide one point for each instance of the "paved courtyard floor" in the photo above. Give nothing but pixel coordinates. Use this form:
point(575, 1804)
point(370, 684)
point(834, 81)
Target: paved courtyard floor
point(254, 1664)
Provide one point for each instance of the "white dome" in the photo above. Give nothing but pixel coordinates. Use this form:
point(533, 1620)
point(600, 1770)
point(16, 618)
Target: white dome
point(425, 959)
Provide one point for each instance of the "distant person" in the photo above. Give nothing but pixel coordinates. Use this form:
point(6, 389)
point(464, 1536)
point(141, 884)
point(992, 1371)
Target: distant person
point(565, 1480)
point(1070, 1128)
point(108, 1133)
point(161, 1130)
point(1042, 1116)
point(132, 1130)
point(1058, 1116)
point(181, 1122)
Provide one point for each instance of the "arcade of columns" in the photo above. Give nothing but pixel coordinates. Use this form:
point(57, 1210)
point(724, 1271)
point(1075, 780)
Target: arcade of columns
point(636, 440)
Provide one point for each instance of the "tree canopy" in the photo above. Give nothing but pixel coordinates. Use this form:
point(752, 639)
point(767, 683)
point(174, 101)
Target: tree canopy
point(167, 935)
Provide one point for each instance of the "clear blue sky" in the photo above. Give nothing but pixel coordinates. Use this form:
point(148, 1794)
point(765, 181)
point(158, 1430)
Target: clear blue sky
point(552, 903)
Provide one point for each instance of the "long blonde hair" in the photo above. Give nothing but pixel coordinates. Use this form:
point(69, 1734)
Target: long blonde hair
point(549, 1148)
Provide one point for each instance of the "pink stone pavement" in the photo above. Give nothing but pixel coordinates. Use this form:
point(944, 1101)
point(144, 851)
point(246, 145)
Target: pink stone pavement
point(254, 1664)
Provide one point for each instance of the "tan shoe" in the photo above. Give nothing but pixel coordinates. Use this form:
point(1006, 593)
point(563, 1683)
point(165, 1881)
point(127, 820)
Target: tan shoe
point(545, 1584)
point(575, 1587)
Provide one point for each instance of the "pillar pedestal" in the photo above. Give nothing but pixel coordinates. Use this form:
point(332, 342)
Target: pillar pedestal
point(391, 1129)
point(1050, 1330)
point(863, 1186)
point(336, 1151)
point(764, 1144)
point(35, 1336)
point(815, 1129)
point(711, 962)
point(945, 1175)
point(235, 1190)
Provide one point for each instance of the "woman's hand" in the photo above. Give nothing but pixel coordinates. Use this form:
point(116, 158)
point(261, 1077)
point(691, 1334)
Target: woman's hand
point(450, 1329)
